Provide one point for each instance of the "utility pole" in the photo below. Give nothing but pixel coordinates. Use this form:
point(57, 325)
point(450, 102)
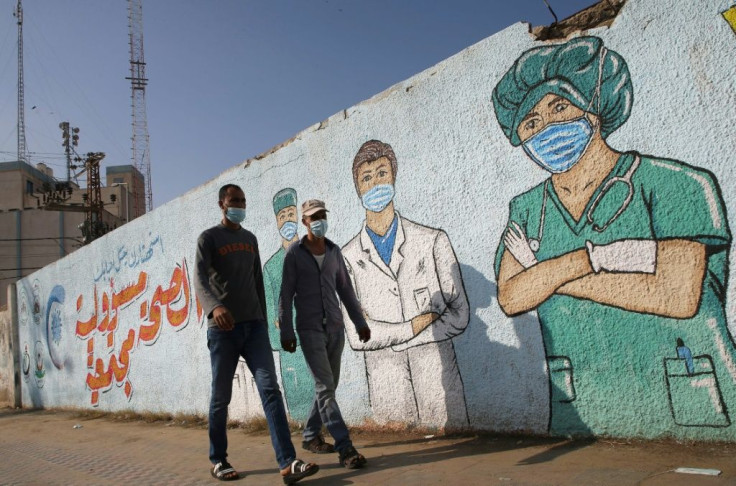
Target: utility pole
point(93, 227)
point(70, 139)
point(143, 196)
point(22, 150)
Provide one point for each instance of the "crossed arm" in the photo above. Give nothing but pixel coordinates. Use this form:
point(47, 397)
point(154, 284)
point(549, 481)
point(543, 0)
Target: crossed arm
point(433, 326)
point(673, 290)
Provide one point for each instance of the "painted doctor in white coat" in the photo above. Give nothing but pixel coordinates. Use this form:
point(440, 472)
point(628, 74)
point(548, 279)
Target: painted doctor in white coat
point(408, 281)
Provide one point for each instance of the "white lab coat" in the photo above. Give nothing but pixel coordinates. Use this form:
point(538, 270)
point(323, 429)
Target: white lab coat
point(410, 378)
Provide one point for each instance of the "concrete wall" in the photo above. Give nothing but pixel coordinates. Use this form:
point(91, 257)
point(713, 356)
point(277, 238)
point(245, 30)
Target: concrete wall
point(521, 340)
point(45, 236)
point(12, 188)
point(9, 367)
point(6, 359)
point(14, 177)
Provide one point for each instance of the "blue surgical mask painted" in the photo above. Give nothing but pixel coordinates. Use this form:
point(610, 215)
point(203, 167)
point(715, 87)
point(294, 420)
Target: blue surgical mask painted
point(288, 230)
point(235, 215)
point(319, 228)
point(377, 197)
point(559, 146)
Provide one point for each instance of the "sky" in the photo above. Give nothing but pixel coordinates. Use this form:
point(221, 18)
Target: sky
point(228, 79)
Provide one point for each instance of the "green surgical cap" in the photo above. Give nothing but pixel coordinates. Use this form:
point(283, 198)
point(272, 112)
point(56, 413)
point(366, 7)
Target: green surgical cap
point(569, 70)
point(283, 199)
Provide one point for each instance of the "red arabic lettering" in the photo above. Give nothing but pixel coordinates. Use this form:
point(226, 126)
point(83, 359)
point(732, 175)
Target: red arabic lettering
point(178, 285)
point(200, 311)
point(86, 327)
point(178, 317)
point(102, 378)
point(176, 298)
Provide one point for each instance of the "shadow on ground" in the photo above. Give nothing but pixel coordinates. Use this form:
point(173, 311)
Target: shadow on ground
point(446, 448)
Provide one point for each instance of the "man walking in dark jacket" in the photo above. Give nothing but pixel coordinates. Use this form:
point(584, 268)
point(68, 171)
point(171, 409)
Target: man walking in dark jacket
point(229, 284)
point(314, 277)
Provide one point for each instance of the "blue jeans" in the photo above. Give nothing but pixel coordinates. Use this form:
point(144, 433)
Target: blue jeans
point(323, 352)
point(250, 340)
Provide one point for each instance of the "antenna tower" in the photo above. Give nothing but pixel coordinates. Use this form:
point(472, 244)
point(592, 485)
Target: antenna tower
point(142, 196)
point(22, 151)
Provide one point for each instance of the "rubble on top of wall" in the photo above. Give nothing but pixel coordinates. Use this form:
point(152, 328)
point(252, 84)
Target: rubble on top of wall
point(602, 13)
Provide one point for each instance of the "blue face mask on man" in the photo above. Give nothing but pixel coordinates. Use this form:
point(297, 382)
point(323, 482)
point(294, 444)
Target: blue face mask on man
point(559, 146)
point(377, 197)
point(288, 230)
point(235, 215)
point(319, 228)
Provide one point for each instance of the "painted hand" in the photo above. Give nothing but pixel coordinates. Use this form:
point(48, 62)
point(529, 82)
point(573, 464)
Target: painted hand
point(289, 345)
point(422, 321)
point(629, 256)
point(223, 318)
point(517, 244)
point(276, 323)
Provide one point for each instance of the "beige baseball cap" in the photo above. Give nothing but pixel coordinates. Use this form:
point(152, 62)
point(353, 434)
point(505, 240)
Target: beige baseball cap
point(312, 206)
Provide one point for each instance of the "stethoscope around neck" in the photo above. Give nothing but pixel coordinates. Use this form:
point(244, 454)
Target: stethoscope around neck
point(625, 179)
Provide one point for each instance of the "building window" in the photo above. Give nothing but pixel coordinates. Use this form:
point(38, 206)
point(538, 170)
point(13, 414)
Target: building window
point(118, 180)
point(29, 187)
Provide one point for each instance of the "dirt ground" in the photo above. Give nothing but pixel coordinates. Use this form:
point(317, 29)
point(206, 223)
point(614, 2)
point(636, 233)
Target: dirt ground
point(61, 447)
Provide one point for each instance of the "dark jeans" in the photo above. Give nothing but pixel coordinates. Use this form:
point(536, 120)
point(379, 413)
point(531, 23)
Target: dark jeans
point(323, 352)
point(250, 340)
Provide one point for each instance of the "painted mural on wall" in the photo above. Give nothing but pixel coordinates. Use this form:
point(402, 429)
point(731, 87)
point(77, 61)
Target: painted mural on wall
point(623, 255)
point(113, 320)
point(730, 16)
point(408, 281)
point(296, 379)
point(54, 325)
point(39, 371)
point(110, 353)
point(129, 256)
point(31, 311)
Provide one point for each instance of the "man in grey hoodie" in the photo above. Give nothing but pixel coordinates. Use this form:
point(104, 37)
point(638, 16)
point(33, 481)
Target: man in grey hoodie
point(229, 284)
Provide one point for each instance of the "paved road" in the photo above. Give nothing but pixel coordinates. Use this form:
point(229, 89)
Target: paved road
point(44, 447)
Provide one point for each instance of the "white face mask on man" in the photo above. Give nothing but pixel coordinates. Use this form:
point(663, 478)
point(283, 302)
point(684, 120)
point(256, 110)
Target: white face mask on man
point(319, 228)
point(235, 215)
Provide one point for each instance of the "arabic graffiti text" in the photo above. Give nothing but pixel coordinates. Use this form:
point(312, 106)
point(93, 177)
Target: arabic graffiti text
point(109, 364)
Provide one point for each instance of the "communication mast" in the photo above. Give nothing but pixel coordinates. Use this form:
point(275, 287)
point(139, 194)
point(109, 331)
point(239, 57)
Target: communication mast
point(142, 196)
point(22, 151)
point(70, 137)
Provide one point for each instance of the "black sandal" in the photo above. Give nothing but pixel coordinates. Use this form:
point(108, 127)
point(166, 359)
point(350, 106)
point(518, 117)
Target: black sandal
point(318, 446)
point(299, 470)
point(352, 459)
point(224, 472)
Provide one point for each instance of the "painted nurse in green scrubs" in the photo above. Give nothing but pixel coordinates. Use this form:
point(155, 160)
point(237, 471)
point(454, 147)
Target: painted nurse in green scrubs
point(624, 256)
point(295, 376)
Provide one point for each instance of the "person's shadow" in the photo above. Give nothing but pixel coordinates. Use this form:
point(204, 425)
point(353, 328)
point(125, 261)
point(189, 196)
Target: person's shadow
point(505, 370)
point(502, 364)
point(440, 450)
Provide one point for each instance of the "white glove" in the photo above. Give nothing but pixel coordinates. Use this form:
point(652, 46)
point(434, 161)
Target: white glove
point(517, 244)
point(631, 256)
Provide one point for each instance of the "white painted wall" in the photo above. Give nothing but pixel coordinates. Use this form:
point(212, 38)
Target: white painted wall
point(457, 172)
